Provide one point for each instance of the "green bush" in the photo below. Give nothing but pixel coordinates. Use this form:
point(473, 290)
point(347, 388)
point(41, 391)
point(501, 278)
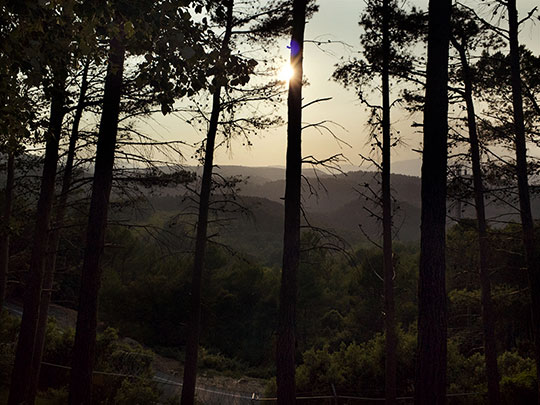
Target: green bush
point(465, 374)
point(112, 356)
point(9, 327)
point(511, 364)
point(518, 384)
point(519, 388)
point(219, 362)
point(136, 392)
point(58, 344)
point(356, 368)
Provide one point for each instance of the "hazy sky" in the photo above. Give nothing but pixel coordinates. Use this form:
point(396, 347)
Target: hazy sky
point(336, 20)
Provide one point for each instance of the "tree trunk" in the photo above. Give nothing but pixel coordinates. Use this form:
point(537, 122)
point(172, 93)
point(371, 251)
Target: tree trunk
point(22, 369)
point(80, 389)
point(192, 344)
point(389, 320)
point(286, 343)
point(6, 231)
point(430, 384)
point(54, 239)
point(488, 316)
point(531, 253)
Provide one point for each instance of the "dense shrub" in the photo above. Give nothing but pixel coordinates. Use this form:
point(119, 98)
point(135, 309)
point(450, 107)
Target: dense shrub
point(113, 356)
point(135, 392)
point(358, 368)
point(518, 384)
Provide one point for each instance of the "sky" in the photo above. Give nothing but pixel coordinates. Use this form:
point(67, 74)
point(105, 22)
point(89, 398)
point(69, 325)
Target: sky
point(337, 20)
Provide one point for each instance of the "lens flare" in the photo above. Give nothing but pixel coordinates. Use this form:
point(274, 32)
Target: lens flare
point(286, 73)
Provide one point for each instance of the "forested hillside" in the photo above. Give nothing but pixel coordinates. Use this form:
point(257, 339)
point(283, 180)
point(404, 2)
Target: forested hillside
point(146, 288)
point(269, 201)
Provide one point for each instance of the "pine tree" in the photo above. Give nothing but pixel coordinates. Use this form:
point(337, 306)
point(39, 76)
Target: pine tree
point(430, 384)
point(286, 342)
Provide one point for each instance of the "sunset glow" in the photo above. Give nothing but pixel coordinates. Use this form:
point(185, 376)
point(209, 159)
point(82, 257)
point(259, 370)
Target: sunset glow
point(286, 72)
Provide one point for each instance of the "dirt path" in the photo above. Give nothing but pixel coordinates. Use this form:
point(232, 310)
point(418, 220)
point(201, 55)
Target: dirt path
point(174, 369)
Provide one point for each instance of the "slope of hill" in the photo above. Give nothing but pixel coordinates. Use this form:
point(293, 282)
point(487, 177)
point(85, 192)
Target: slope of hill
point(339, 202)
point(256, 175)
point(343, 204)
point(334, 203)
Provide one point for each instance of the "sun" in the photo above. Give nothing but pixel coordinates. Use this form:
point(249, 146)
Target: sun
point(286, 73)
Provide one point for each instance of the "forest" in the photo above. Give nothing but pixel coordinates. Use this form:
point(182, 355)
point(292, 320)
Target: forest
point(145, 259)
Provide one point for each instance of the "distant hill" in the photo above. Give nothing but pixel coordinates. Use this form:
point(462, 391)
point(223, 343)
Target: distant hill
point(411, 167)
point(256, 175)
point(334, 203)
point(338, 202)
point(341, 203)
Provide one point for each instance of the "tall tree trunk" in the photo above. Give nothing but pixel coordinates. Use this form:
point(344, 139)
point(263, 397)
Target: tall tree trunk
point(488, 316)
point(54, 239)
point(531, 253)
point(430, 384)
point(286, 343)
point(22, 369)
point(390, 322)
point(6, 231)
point(80, 389)
point(192, 344)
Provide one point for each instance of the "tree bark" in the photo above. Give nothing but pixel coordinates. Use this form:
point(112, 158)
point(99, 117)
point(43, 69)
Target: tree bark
point(192, 344)
point(22, 369)
point(6, 231)
point(54, 239)
point(430, 384)
point(286, 342)
point(488, 316)
point(531, 253)
point(80, 389)
point(390, 322)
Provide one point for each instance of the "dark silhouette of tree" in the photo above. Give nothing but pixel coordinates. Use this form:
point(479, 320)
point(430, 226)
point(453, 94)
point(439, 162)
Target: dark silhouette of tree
point(286, 341)
point(5, 231)
point(508, 86)
point(52, 58)
point(464, 31)
point(16, 116)
point(531, 251)
point(44, 55)
point(192, 345)
point(18, 106)
point(54, 235)
point(389, 33)
point(390, 322)
point(430, 384)
point(85, 338)
point(230, 116)
point(21, 374)
point(493, 87)
point(173, 67)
